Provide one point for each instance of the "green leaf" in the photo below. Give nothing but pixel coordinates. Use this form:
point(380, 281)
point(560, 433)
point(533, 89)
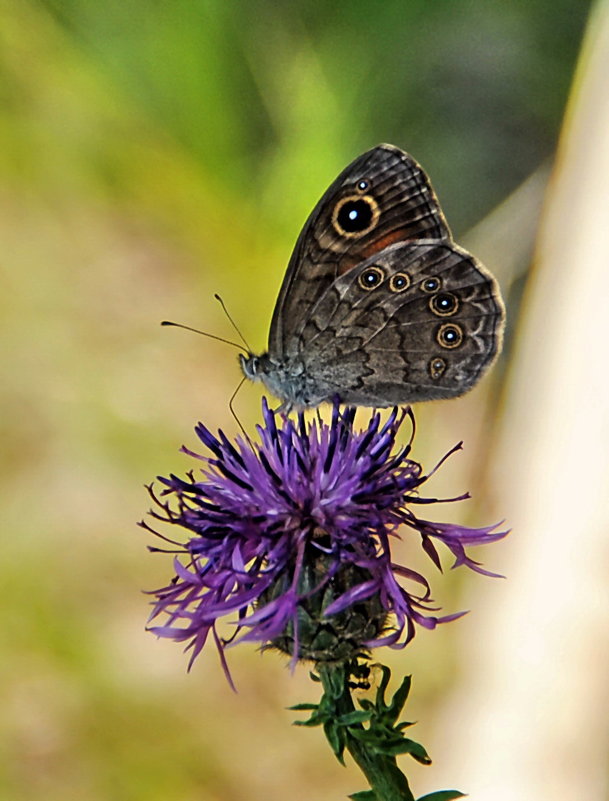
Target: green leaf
point(380, 693)
point(399, 698)
point(415, 750)
point(335, 681)
point(369, 736)
point(364, 795)
point(356, 716)
point(305, 707)
point(442, 795)
point(336, 739)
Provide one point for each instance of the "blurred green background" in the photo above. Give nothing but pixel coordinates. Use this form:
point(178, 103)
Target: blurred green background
point(151, 154)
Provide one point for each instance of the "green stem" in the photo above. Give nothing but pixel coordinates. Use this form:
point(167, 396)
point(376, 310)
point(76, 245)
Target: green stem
point(386, 780)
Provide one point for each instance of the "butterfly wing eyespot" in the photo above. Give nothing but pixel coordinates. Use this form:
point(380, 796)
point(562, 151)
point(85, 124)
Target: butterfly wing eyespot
point(355, 216)
point(371, 277)
point(399, 282)
point(431, 284)
point(437, 367)
point(444, 304)
point(449, 335)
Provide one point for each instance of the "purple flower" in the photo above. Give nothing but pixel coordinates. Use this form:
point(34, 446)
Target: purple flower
point(293, 536)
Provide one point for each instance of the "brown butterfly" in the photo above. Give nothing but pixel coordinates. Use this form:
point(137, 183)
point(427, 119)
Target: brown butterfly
point(379, 306)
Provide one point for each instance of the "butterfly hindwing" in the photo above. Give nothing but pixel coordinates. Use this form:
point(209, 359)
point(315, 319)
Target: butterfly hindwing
point(415, 322)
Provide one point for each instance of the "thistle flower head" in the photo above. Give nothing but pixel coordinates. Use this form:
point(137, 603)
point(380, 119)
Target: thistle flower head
point(293, 537)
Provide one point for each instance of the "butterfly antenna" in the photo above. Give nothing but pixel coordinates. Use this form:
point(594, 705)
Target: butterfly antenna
point(232, 322)
point(234, 413)
point(205, 334)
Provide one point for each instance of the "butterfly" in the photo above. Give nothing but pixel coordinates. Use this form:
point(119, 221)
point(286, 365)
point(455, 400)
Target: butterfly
point(379, 306)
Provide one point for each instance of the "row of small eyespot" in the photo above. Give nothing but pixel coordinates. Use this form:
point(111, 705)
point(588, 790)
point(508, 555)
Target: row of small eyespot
point(443, 304)
point(372, 276)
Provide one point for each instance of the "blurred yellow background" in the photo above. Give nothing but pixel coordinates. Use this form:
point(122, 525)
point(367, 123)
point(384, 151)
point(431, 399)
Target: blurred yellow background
point(153, 153)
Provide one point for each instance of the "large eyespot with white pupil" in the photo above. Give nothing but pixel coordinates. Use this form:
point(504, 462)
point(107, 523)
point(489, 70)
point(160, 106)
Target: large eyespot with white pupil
point(371, 277)
point(444, 304)
point(432, 284)
point(355, 215)
point(437, 367)
point(399, 282)
point(449, 335)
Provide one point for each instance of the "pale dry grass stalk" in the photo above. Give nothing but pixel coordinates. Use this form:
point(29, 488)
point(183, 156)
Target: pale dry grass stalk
point(536, 699)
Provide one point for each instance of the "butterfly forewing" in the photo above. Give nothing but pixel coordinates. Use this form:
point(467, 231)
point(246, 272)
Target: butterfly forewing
point(384, 190)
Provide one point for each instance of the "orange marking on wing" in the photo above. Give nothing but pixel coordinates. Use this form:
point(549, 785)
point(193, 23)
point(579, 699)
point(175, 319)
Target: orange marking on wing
point(375, 246)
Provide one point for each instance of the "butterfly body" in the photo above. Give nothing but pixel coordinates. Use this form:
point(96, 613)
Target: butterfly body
point(379, 307)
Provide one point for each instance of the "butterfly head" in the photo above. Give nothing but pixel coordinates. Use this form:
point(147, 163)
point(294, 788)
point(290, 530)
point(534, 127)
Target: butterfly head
point(252, 366)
